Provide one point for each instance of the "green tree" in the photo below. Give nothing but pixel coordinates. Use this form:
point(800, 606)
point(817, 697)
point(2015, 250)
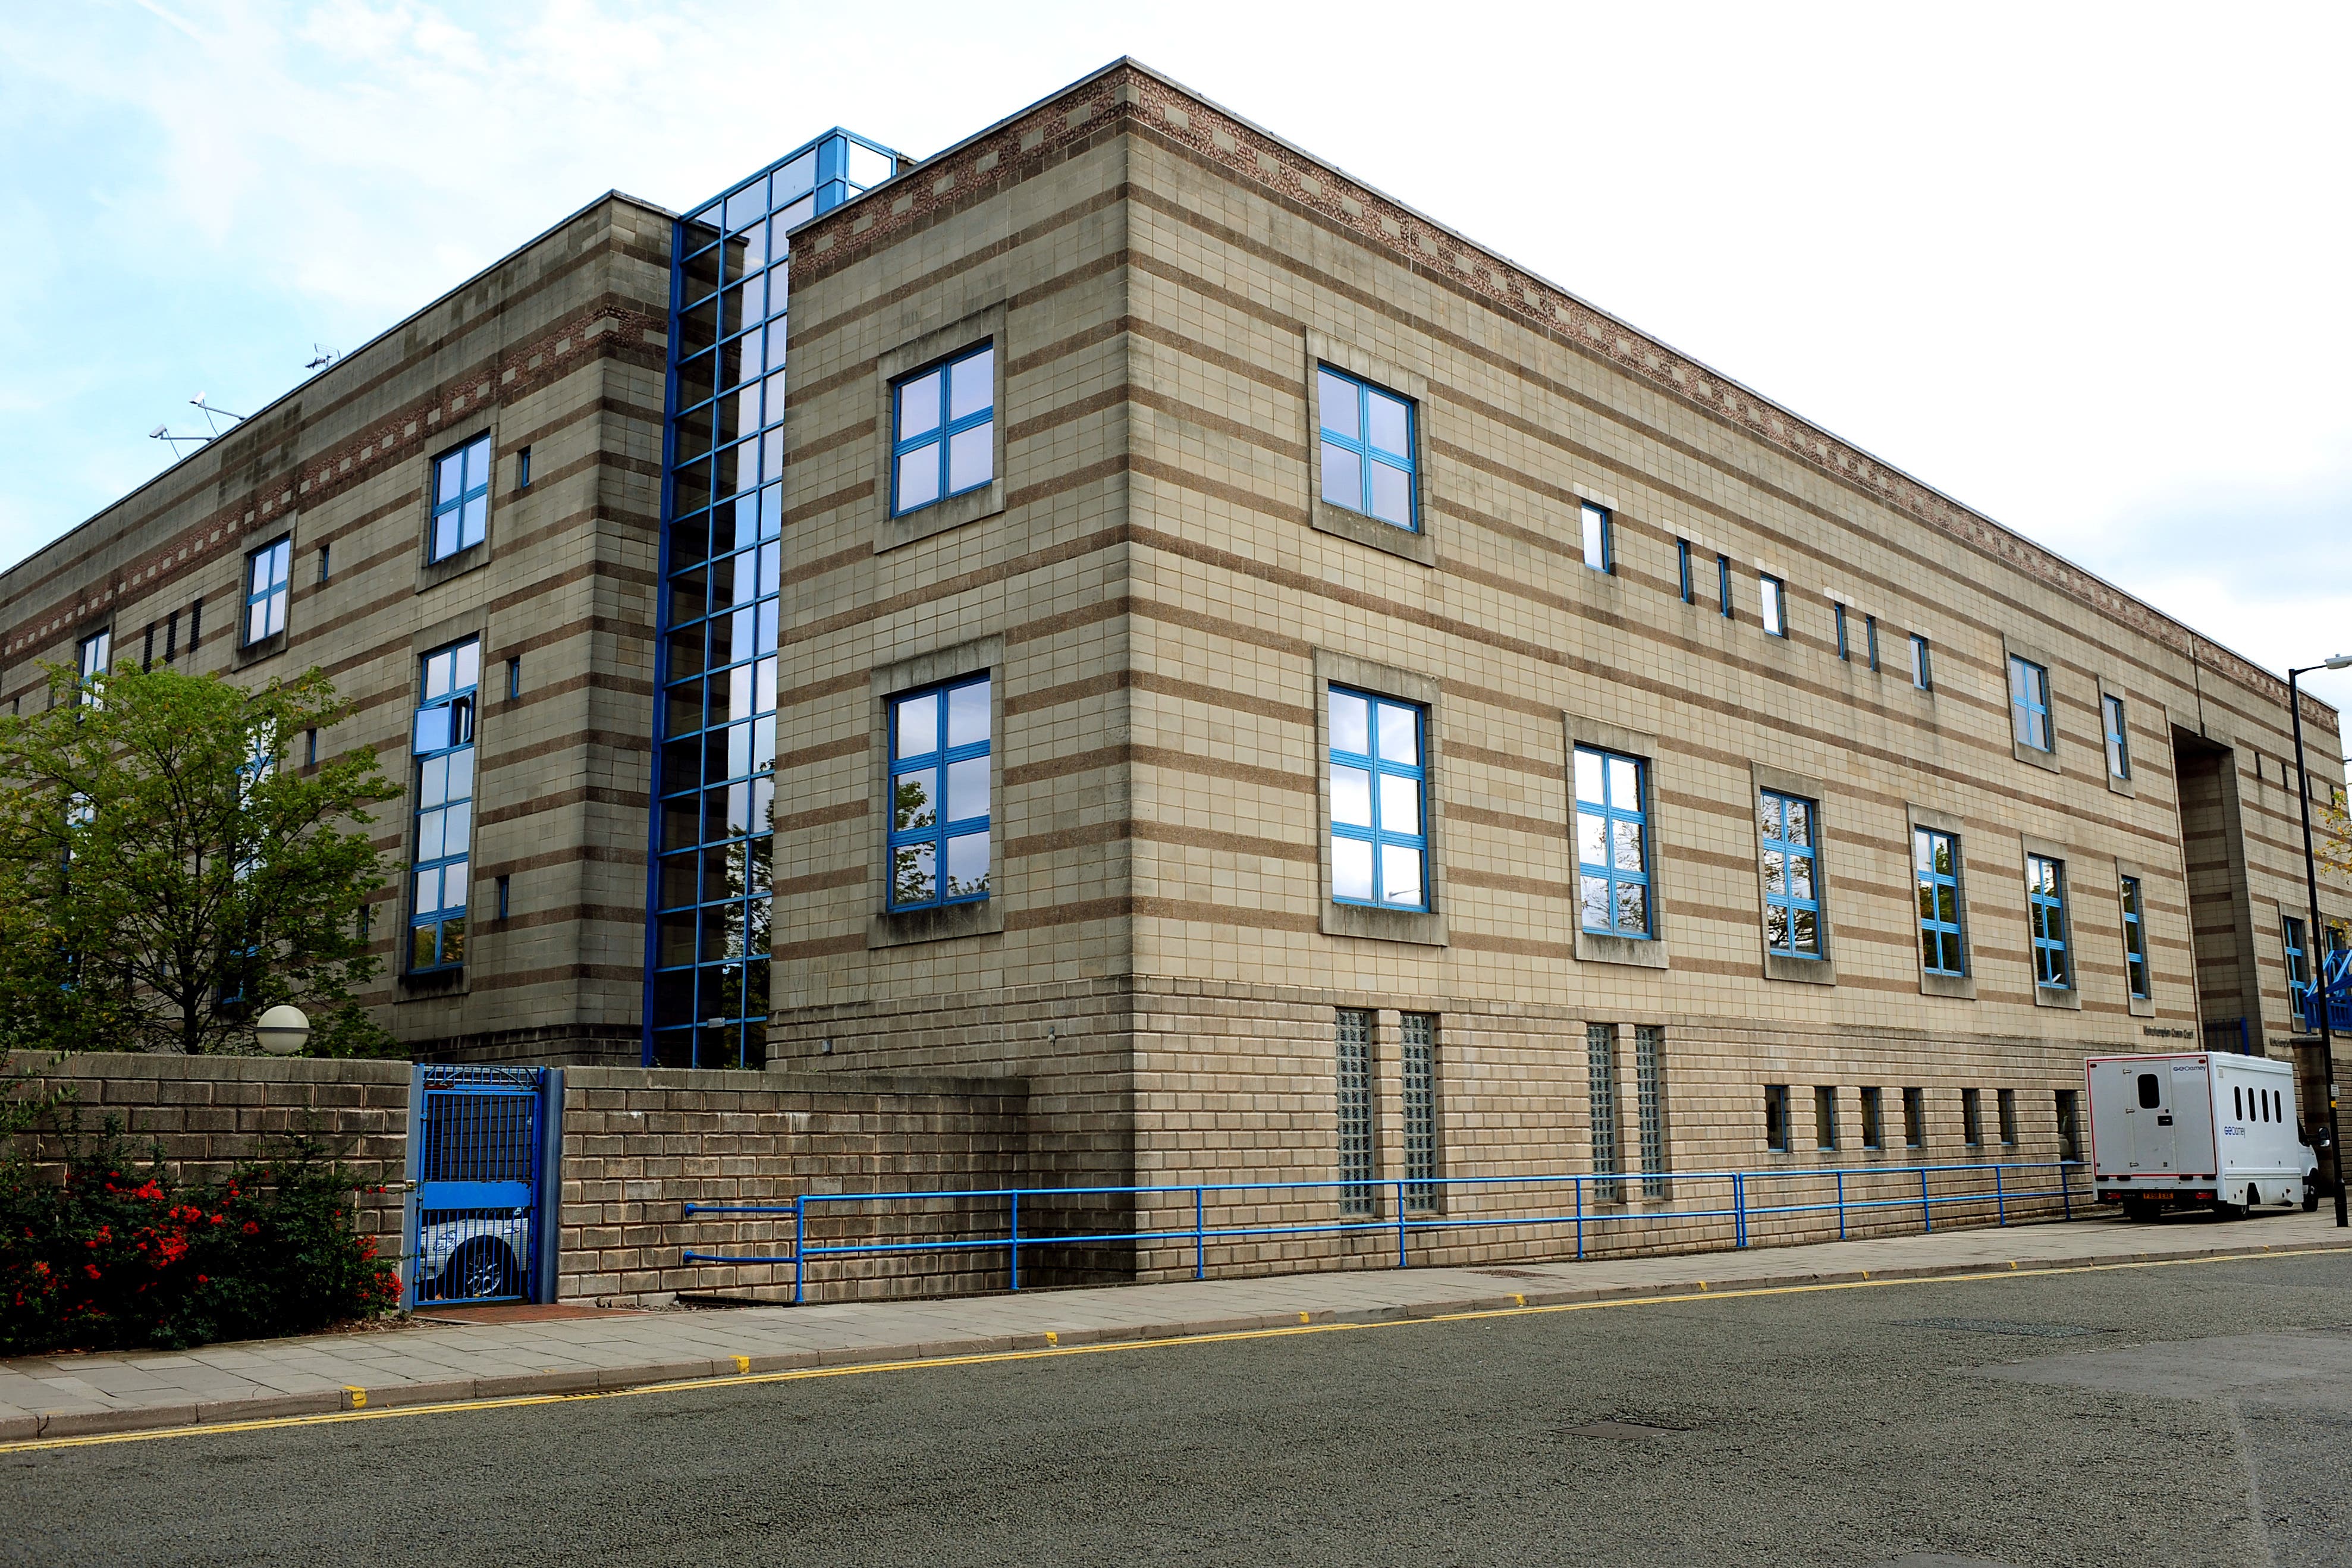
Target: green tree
point(164, 875)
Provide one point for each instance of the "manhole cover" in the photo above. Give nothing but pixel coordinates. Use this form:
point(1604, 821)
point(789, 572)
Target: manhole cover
point(1620, 1429)
point(1999, 1325)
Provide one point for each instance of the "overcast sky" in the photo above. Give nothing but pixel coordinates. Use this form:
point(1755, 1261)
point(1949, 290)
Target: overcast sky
point(2083, 267)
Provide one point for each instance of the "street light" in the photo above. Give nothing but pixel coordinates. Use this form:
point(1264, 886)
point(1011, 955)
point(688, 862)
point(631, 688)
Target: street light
point(283, 1031)
point(2315, 942)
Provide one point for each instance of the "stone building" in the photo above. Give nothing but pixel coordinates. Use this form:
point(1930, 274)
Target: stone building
point(1310, 697)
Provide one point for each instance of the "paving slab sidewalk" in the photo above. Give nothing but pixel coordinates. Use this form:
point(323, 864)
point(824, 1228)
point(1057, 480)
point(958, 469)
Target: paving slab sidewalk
point(432, 1362)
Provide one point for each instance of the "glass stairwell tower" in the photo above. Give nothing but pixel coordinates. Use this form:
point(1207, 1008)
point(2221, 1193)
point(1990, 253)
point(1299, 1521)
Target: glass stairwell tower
point(715, 661)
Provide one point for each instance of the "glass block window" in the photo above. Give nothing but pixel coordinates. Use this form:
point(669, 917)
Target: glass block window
point(1599, 547)
point(1776, 1117)
point(1380, 841)
point(2119, 738)
point(2298, 967)
point(1600, 1081)
point(943, 430)
point(1923, 673)
point(1771, 591)
point(939, 795)
point(1649, 1105)
point(1418, 1101)
point(2045, 897)
point(93, 656)
point(1683, 570)
point(266, 590)
point(1792, 895)
point(2134, 938)
point(1355, 1107)
point(1613, 844)
point(1972, 1118)
point(442, 745)
point(1367, 448)
point(1936, 868)
point(2028, 703)
point(461, 498)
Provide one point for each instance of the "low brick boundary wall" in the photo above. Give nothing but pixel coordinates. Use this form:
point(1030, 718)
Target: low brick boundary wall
point(208, 1113)
point(639, 1144)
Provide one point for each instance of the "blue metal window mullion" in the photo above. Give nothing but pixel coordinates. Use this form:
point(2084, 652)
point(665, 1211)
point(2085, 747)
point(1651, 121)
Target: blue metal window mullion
point(1367, 454)
point(939, 435)
point(2047, 896)
point(1612, 814)
point(1934, 882)
point(1792, 852)
point(2136, 978)
point(1378, 835)
point(934, 764)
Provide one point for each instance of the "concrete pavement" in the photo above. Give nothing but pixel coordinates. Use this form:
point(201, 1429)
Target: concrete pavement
point(437, 1361)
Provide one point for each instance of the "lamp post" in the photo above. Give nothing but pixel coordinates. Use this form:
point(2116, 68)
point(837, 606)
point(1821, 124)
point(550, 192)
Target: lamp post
point(2315, 941)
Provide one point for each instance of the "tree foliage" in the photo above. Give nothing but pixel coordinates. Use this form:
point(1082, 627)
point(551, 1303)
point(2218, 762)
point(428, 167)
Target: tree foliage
point(166, 873)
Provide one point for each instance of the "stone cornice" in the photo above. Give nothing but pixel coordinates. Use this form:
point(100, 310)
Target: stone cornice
point(1128, 95)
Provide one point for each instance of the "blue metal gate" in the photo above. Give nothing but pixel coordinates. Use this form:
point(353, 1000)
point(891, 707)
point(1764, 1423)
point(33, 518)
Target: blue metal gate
point(481, 1147)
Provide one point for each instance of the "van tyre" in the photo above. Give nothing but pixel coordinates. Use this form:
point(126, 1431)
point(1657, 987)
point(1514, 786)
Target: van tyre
point(2138, 1209)
point(2310, 1197)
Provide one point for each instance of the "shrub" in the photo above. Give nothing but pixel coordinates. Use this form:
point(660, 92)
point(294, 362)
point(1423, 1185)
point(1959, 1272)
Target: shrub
point(120, 1255)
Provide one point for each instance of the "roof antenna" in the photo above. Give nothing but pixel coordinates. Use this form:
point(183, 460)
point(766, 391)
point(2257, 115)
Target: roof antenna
point(320, 358)
point(209, 410)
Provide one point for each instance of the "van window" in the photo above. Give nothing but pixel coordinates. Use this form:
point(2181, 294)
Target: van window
point(2237, 1103)
point(2147, 1091)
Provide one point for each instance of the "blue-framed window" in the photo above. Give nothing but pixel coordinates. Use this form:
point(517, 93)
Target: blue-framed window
point(2134, 938)
point(93, 658)
point(2046, 898)
point(1600, 546)
point(2119, 738)
point(442, 743)
point(1935, 870)
point(939, 795)
point(2298, 968)
point(943, 430)
point(1380, 773)
point(2028, 703)
point(266, 590)
point(1771, 594)
point(1723, 585)
point(461, 498)
point(1683, 570)
point(1613, 844)
point(1787, 826)
point(1869, 641)
point(1367, 454)
point(1923, 672)
point(1837, 614)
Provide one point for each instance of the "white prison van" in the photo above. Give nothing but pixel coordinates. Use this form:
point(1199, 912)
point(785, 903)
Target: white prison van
point(2197, 1128)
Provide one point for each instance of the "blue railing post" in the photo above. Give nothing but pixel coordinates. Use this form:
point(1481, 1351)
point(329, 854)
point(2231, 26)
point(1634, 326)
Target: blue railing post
point(1015, 1269)
point(1579, 1183)
point(1199, 1237)
point(1840, 1201)
point(2000, 1207)
point(1738, 1210)
point(2065, 1191)
point(1400, 1203)
point(1927, 1213)
point(800, 1246)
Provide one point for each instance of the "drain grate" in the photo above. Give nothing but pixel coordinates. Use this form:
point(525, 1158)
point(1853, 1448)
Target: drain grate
point(1514, 1274)
point(1999, 1326)
point(1621, 1429)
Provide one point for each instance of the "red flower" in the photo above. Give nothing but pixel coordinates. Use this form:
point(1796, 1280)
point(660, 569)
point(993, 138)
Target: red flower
point(90, 1268)
point(251, 1228)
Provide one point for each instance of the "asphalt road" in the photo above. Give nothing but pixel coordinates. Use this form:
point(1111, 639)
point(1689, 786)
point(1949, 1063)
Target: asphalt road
point(2183, 1415)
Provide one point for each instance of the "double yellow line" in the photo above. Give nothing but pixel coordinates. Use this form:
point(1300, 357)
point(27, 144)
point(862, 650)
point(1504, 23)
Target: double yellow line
point(748, 1379)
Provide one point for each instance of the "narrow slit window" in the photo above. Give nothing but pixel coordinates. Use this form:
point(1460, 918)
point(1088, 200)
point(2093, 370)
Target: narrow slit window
point(1972, 1118)
point(2120, 740)
point(1837, 614)
point(943, 430)
point(1825, 1118)
point(1723, 585)
point(1355, 1110)
point(1599, 547)
point(1869, 641)
point(1600, 1082)
point(1776, 1118)
point(1418, 1102)
point(1873, 1119)
point(2070, 1127)
point(1366, 449)
point(1914, 1118)
point(1378, 774)
point(1923, 673)
point(2005, 1106)
point(1770, 591)
point(1683, 570)
point(523, 470)
point(1649, 1097)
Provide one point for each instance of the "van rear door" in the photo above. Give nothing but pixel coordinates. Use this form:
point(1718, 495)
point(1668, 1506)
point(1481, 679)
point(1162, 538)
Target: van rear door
point(2147, 1117)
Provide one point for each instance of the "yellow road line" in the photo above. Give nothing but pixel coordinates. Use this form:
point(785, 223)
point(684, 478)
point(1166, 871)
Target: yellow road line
point(1057, 1350)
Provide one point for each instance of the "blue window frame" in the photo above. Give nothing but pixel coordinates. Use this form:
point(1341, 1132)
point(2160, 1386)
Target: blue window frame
point(939, 795)
point(1612, 843)
point(2298, 968)
point(442, 743)
point(1792, 895)
point(1599, 547)
point(1367, 454)
point(1771, 593)
point(1923, 673)
point(1869, 641)
point(2028, 703)
point(1379, 778)
point(1723, 585)
point(1837, 614)
point(2045, 897)
point(93, 658)
point(2134, 938)
point(2119, 738)
point(943, 430)
point(1936, 869)
point(461, 498)
point(266, 590)
point(1683, 569)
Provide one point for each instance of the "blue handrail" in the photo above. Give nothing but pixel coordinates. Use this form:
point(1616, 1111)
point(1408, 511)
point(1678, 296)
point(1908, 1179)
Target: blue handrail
point(1421, 1217)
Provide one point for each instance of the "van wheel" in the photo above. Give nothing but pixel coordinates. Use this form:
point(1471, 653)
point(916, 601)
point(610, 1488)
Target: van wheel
point(2138, 1209)
point(2228, 1210)
point(2310, 1197)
